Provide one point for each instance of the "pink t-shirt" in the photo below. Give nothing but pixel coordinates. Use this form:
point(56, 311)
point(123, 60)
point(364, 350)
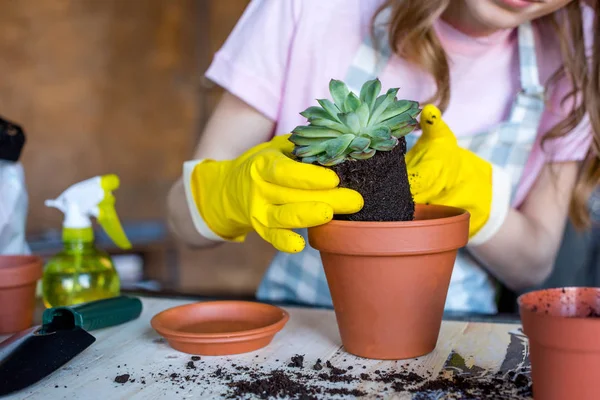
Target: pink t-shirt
point(282, 54)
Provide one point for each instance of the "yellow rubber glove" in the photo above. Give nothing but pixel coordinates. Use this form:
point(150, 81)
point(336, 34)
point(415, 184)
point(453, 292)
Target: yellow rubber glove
point(441, 172)
point(266, 191)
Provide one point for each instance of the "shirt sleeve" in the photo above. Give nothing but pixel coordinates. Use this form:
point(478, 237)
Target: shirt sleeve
point(252, 63)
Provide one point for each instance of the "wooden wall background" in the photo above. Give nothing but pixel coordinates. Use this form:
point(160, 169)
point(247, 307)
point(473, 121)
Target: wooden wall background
point(116, 86)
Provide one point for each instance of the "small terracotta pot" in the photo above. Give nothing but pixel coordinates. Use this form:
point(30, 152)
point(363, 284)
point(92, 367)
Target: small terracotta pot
point(18, 278)
point(563, 327)
point(389, 280)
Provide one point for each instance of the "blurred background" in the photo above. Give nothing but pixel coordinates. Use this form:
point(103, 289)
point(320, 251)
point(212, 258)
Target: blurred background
point(116, 86)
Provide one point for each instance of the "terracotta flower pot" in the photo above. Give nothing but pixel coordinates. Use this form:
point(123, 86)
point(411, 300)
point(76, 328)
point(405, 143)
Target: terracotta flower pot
point(563, 327)
point(18, 279)
point(389, 280)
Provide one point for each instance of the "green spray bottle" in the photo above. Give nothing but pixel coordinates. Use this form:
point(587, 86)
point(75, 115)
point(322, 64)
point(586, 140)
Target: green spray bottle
point(81, 272)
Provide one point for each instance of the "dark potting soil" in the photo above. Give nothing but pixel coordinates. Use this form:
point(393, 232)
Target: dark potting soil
point(297, 361)
point(382, 180)
point(291, 380)
point(122, 378)
point(318, 366)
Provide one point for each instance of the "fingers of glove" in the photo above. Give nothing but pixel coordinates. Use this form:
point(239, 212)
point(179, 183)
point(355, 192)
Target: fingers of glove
point(296, 215)
point(276, 168)
point(283, 240)
point(430, 117)
point(341, 200)
point(433, 126)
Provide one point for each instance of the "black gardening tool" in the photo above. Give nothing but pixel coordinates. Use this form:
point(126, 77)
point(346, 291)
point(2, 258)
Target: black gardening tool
point(12, 140)
point(31, 355)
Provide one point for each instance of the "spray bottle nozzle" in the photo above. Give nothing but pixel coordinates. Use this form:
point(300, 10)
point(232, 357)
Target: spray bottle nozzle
point(92, 198)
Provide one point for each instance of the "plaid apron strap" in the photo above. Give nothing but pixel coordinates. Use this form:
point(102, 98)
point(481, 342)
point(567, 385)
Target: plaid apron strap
point(529, 105)
point(530, 80)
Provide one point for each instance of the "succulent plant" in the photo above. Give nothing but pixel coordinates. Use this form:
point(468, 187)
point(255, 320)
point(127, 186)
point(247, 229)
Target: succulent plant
point(353, 127)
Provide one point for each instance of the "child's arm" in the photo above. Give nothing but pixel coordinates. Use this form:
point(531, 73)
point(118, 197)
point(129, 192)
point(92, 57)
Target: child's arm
point(522, 253)
point(233, 128)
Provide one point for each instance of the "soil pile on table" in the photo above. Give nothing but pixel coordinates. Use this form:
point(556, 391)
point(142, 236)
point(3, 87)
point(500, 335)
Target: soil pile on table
point(295, 380)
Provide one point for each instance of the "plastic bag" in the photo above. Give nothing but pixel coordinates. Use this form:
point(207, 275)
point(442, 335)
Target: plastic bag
point(14, 200)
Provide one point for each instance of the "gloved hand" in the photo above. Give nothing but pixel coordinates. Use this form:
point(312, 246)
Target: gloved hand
point(266, 191)
point(441, 172)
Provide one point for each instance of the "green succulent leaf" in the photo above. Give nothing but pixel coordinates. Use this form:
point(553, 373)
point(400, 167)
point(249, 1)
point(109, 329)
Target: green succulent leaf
point(311, 131)
point(313, 150)
point(304, 141)
point(378, 110)
point(398, 133)
point(339, 91)
point(351, 120)
point(314, 112)
point(378, 101)
point(309, 160)
point(351, 103)
point(384, 145)
point(399, 121)
point(363, 114)
point(360, 143)
point(397, 108)
point(414, 109)
point(363, 155)
point(380, 132)
point(327, 123)
point(337, 147)
point(324, 159)
point(369, 92)
point(331, 108)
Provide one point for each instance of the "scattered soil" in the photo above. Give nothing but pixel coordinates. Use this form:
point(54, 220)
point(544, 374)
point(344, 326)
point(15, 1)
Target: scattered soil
point(318, 366)
point(335, 370)
point(291, 380)
point(297, 361)
point(382, 180)
point(122, 378)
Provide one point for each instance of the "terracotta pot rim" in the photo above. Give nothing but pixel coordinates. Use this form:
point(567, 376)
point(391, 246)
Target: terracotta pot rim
point(525, 308)
point(436, 229)
point(160, 327)
point(460, 215)
point(22, 270)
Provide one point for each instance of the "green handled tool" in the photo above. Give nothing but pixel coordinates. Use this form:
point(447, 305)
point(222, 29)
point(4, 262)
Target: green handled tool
point(31, 355)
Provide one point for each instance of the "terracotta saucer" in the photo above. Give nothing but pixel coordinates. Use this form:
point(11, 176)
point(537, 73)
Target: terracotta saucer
point(217, 328)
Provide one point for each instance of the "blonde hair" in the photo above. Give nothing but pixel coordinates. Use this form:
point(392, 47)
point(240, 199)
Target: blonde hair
point(412, 37)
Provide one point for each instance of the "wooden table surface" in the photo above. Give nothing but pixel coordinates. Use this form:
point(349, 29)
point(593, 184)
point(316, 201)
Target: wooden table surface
point(472, 360)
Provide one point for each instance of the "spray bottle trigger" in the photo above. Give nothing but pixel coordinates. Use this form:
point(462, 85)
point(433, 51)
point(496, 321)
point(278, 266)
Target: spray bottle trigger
point(107, 215)
point(109, 220)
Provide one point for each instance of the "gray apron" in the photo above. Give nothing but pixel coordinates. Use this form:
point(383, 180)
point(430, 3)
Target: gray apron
point(299, 278)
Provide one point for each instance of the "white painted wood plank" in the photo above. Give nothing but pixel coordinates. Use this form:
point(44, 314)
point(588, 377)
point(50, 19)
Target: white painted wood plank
point(135, 348)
